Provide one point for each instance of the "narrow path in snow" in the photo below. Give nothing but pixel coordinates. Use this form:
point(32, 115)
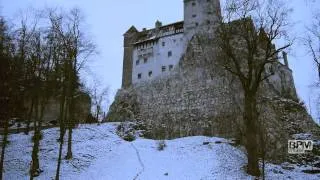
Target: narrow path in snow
point(140, 161)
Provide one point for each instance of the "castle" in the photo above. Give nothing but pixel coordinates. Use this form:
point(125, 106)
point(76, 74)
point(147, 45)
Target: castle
point(173, 84)
point(155, 52)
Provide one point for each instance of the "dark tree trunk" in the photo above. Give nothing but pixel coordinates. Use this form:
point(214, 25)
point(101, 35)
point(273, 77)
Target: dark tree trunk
point(70, 127)
point(62, 131)
point(250, 120)
point(69, 152)
point(4, 144)
point(70, 107)
point(29, 118)
point(35, 167)
point(263, 140)
point(97, 113)
point(318, 71)
point(263, 167)
point(60, 153)
point(35, 171)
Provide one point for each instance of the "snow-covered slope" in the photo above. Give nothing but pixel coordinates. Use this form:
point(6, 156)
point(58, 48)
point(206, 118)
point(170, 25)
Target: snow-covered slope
point(100, 154)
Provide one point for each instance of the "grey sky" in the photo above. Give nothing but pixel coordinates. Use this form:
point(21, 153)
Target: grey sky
point(107, 20)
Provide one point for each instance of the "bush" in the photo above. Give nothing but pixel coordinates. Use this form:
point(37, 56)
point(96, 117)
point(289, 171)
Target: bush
point(126, 131)
point(129, 137)
point(161, 144)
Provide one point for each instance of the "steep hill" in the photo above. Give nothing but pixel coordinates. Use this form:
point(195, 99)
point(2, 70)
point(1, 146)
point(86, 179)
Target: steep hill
point(99, 153)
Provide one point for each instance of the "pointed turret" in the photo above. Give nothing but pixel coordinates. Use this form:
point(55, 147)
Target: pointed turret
point(131, 30)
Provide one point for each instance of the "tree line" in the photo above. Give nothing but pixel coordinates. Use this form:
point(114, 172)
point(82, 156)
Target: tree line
point(41, 60)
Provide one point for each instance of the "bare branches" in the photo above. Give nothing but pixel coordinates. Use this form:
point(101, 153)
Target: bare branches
point(313, 41)
point(247, 34)
point(99, 97)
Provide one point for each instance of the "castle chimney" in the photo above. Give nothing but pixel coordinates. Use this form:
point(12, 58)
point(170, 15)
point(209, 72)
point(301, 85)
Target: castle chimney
point(158, 24)
point(285, 58)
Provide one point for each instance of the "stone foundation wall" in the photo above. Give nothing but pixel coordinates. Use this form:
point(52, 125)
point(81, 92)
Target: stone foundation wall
point(52, 109)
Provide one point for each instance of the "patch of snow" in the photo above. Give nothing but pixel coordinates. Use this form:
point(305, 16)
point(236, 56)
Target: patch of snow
point(99, 153)
point(303, 136)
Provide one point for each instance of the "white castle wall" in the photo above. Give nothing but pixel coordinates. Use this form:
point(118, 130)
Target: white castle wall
point(157, 57)
point(199, 16)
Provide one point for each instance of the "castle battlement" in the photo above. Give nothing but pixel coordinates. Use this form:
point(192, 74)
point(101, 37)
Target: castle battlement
point(146, 36)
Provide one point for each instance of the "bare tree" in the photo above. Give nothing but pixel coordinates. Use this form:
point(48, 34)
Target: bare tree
point(99, 98)
point(79, 49)
point(245, 37)
point(24, 33)
point(60, 75)
point(313, 41)
point(43, 90)
point(76, 48)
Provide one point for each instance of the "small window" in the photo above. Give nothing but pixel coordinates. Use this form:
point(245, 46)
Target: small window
point(139, 76)
point(208, 0)
point(145, 60)
point(197, 24)
point(150, 73)
point(194, 15)
point(163, 68)
point(208, 22)
point(169, 53)
point(193, 3)
point(137, 62)
point(163, 43)
point(170, 67)
point(174, 40)
point(209, 12)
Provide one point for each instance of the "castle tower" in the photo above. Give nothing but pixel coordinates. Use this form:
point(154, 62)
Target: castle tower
point(200, 16)
point(129, 38)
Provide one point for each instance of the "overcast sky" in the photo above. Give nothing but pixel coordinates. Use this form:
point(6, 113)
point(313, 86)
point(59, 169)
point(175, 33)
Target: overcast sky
point(108, 20)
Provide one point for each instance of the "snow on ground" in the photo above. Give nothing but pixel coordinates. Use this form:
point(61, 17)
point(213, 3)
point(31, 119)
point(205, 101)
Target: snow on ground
point(100, 154)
